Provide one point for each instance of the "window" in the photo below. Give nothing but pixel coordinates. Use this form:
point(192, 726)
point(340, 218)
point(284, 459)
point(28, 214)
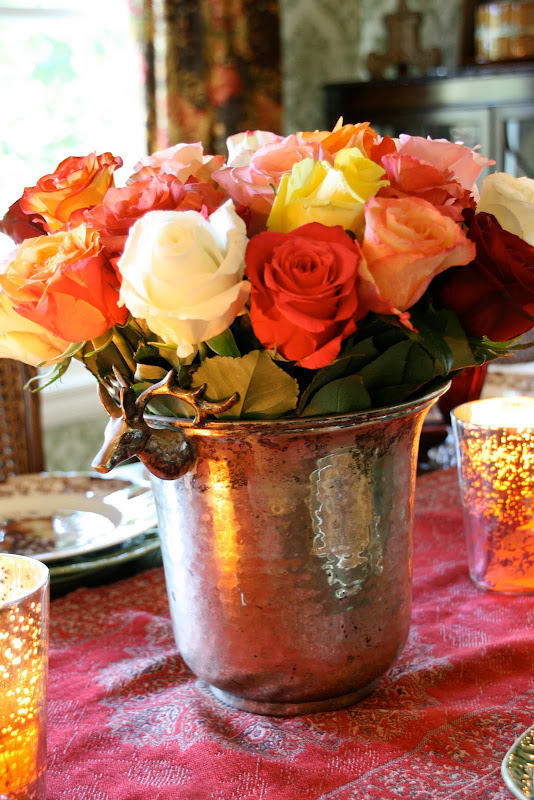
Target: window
point(70, 84)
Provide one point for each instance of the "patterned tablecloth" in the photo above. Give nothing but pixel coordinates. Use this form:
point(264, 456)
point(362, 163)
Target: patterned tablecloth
point(128, 721)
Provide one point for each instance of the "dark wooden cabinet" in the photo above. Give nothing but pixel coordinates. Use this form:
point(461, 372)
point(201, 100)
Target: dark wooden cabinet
point(488, 106)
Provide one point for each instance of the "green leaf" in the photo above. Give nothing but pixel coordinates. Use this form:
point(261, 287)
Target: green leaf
point(68, 353)
point(350, 363)
point(49, 377)
point(146, 352)
point(265, 390)
point(388, 368)
point(224, 344)
point(339, 397)
point(442, 335)
point(101, 343)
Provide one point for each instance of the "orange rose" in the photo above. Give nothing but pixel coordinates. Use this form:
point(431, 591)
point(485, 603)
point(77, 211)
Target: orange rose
point(342, 136)
point(78, 182)
point(64, 283)
point(406, 243)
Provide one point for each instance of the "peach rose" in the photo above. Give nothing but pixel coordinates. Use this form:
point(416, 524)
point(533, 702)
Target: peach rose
point(64, 283)
point(252, 185)
point(406, 243)
point(76, 183)
point(184, 161)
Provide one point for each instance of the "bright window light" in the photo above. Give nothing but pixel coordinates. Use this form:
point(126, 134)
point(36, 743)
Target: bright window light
point(71, 84)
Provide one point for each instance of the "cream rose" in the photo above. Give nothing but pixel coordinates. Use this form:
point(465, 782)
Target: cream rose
point(511, 201)
point(24, 340)
point(242, 146)
point(183, 274)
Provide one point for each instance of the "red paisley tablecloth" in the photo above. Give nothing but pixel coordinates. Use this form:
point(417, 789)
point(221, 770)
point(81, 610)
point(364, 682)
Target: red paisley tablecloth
point(128, 721)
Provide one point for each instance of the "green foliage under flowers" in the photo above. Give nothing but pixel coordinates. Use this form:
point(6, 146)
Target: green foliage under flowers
point(383, 363)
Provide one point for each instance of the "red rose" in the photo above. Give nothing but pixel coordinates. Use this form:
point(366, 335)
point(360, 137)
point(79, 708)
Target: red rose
point(304, 300)
point(120, 208)
point(19, 226)
point(494, 294)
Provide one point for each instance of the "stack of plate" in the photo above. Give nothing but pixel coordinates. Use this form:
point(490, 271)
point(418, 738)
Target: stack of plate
point(79, 524)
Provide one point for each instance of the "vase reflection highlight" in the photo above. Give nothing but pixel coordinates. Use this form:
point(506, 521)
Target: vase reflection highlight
point(495, 448)
point(287, 555)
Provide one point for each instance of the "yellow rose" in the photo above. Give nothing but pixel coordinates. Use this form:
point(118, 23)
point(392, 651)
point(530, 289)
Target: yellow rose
point(316, 191)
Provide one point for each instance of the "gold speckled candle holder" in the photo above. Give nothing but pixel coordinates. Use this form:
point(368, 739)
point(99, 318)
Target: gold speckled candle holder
point(24, 593)
point(495, 449)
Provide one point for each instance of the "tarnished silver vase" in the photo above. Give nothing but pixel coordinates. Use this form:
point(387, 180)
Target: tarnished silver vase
point(287, 554)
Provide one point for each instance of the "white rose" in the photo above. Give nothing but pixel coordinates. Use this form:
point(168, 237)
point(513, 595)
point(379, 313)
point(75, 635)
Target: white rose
point(24, 340)
point(183, 274)
point(511, 201)
point(242, 146)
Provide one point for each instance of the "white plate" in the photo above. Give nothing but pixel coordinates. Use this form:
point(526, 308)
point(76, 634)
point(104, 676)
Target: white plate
point(53, 516)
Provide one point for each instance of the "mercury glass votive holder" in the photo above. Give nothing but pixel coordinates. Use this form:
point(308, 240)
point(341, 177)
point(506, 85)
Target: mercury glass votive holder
point(24, 601)
point(495, 454)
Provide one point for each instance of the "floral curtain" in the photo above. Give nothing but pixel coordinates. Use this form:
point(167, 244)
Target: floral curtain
point(212, 68)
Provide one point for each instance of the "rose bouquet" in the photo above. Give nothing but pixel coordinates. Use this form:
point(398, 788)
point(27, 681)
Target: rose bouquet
point(320, 273)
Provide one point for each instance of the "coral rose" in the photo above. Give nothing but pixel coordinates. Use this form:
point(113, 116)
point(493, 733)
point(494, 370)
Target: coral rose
point(76, 183)
point(511, 201)
point(406, 243)
point(494, 295)
point(460, 163)
point(64, 283)
point(184, 161)
point(120, 208)
point(183, 274)
point(332, 195)
point(410, 177)
point(303, 300)
point(24, 340)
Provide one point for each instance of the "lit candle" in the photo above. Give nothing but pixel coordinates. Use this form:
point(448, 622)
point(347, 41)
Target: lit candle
point(495, 449)
point(23, 673)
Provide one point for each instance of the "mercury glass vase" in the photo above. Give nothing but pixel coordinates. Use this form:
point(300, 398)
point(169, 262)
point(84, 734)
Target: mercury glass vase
point(287, 555)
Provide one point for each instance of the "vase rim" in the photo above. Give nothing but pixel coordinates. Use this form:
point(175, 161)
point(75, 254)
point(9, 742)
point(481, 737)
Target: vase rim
point(367, 416)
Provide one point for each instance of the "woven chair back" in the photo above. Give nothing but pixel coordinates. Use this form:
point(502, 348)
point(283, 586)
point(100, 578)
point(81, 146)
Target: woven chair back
point(21, 448)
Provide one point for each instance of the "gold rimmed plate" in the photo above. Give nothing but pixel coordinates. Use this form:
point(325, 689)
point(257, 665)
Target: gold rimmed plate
point(58, 516)
point(518, 766)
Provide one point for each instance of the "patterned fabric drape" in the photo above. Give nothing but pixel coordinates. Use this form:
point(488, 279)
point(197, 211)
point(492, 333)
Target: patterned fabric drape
point(212, 68)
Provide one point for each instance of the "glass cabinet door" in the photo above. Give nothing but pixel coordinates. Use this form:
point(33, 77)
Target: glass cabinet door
point(514, 146)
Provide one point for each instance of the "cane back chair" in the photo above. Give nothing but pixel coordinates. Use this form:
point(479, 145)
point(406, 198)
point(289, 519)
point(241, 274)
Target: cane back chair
point(21, 448)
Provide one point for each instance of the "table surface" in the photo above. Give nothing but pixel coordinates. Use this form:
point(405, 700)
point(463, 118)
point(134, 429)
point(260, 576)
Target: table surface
point(128, 720)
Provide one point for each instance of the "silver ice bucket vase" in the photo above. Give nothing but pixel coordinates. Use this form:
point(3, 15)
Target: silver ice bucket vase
point(287, 554)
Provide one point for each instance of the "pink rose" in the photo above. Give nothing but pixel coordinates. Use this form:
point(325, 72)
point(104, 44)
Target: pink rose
point(454, 160)
point(184, 161)
point(251, 185)
point(406, 243)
